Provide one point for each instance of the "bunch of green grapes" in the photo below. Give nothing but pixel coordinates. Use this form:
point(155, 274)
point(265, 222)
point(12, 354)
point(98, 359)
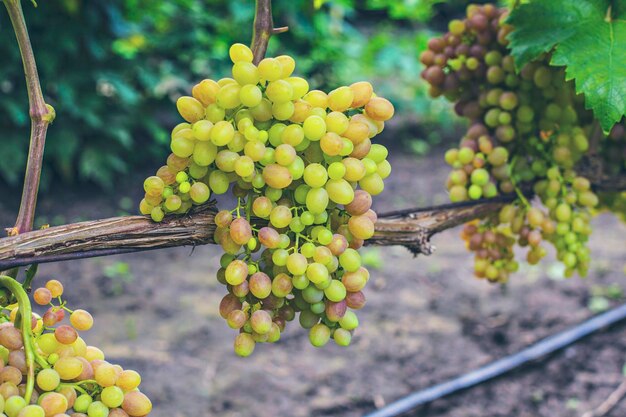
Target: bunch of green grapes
point(303, 169)
point(613, 152)
point(527, 132)
point(47, 369)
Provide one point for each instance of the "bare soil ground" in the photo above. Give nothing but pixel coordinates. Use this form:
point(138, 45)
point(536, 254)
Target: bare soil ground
point(427, 320)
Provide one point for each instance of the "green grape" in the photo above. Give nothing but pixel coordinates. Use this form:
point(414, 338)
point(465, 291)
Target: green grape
point(342, 337)
point(312, 295)
point(299, 85)
point(245, 73)
point(297, 264)
point(292, 135)
point(336, 291)
point(240, 53)
point(97, 409)
point(350, 260)
point(314, 128)
point(340, 191)
point(250, 95)
point(296, 168)
point(112, 397)
point(13, 405)
point(214, 113)
point(228, 97)
point(317, 273)
point(280, 217)
point(32, 411)
point(279, 91)
point(48, 379)
point(349, 321)
point(190, 109)
point(222, 133)
point(218, 182)
point(319, 335)
point(317, 200)
point(373, 184)
point(270, 69)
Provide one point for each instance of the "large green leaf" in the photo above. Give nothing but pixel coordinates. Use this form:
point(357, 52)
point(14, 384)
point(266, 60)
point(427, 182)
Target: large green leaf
point(588, 38)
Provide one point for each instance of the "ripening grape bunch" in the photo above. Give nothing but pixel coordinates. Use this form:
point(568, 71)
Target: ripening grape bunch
point(303, 169)
point(527, 132)
point(47, 369)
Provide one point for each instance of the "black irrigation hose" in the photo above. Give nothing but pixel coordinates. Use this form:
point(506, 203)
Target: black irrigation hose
point(498, 368)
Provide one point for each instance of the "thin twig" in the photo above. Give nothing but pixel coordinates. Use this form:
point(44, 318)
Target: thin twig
point(608, 404)
point(263, 29)
point(41, 116)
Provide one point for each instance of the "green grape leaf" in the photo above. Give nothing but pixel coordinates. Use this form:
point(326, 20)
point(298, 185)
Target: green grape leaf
point(588, 38)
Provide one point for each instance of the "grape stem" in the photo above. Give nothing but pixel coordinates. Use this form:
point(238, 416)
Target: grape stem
point(263, 29)
point(249, 207)
point(76, 386)
point(27, 333)
point(41, 116)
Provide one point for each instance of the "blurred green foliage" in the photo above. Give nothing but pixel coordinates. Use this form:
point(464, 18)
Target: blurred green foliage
point(112, 69)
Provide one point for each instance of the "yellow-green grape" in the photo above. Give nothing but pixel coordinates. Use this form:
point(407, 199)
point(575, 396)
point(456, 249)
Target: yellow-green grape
point(82, 403)
point(288, 65)
point(349, 321)
point(205, 91)
point(97, 409)
point(240, 53)
point(199, 193)
point(270, 69)
point(68, 368)
point(112, 396)
point(48, 379)
point(279, 91)
point(314, 128)
point(373, 184)
point(319, 335)
point(204, 153)
point(250, 95)
point(245, 73)
point(190, 109)
point(340, 191)
point(244, 344)
point(202, 130)
point(342, 337)
point(300, 87)
point(128, 380)
point(157, 214)
point(340, 99)
point(229, 96)
point(283, 111)
point(317, 200)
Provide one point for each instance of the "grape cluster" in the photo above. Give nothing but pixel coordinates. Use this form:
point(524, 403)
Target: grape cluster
point(67, 378)
point(614, 158)
point(528, 130)
point(303, 169)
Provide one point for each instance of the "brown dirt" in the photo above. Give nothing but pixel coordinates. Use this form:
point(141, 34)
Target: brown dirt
point(427, 320)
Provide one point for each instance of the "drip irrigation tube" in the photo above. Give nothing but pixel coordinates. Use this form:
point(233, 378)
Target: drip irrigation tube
point(498, 368)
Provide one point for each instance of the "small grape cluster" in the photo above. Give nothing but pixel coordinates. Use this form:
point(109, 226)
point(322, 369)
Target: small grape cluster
point(53, 372)
point(527, 132)
point(303, 169)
